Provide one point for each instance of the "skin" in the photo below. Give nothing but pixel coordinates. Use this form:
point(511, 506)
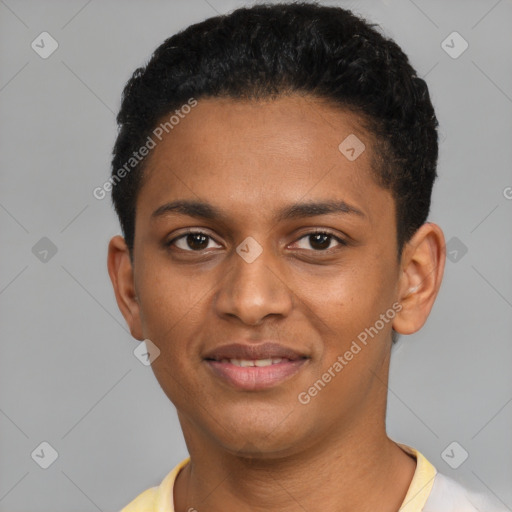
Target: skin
point(264, 450)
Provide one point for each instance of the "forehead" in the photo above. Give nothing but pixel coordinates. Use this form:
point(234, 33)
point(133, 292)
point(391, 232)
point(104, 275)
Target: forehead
point(298, 127)
point(260, 154)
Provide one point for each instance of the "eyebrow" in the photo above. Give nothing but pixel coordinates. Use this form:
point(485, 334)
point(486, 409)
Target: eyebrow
point(203, 210)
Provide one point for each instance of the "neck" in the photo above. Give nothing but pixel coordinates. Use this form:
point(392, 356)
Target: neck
point(342, 473)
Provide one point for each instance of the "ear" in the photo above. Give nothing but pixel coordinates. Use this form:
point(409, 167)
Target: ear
point(422, 268)
point(121, 274)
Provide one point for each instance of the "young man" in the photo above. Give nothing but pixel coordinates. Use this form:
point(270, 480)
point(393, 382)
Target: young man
point(272, 176)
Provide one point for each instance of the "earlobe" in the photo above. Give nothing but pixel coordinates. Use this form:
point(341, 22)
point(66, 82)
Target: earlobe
point(120, 270)
point(422, 269)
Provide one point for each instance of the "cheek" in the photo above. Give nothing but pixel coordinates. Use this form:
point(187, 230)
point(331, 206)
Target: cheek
point(164, 300)
point(351, 308)
point(355, 297)
point(170, 316)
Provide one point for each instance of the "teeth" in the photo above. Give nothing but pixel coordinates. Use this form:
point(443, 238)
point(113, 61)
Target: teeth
point(263, 362)
point(244, 363)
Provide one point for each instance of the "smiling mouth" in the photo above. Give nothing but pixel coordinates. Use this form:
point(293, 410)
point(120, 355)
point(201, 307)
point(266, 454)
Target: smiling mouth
point(255, 374)
point(246, 363)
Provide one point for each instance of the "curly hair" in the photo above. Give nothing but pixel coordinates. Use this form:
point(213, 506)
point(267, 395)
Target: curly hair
point(269, 50)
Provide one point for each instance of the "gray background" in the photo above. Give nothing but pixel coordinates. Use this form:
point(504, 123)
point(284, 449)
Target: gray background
point(68, 375)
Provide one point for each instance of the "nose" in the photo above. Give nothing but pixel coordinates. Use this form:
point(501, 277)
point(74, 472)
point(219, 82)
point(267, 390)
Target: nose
point(254, 288)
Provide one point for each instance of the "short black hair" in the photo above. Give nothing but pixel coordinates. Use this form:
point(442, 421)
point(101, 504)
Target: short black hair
point(268, 50)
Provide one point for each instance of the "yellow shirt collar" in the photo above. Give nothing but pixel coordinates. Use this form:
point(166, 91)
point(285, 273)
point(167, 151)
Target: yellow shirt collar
point(421, 484)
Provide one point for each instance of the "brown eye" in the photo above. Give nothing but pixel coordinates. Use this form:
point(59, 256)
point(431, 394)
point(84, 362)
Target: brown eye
point(321, 240)
point(193, 241)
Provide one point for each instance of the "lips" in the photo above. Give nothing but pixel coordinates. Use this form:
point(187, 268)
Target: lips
point(254, 367)
point(261, 351)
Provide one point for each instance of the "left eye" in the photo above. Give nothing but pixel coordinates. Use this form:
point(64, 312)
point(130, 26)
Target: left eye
point(321, 241)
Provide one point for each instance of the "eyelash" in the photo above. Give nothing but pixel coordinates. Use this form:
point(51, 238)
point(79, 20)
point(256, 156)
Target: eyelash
point(309, 233)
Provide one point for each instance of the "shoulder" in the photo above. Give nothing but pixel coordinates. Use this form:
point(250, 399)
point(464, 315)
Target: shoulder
point(447, 495)
point(159, 497)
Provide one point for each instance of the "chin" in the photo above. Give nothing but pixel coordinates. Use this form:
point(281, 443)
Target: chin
point(249, 441)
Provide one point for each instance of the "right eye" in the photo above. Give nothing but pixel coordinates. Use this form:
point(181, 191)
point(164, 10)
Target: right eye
point(192, 239)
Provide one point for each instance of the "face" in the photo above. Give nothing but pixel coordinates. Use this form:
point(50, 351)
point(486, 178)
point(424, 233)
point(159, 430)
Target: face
point(257, 263)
